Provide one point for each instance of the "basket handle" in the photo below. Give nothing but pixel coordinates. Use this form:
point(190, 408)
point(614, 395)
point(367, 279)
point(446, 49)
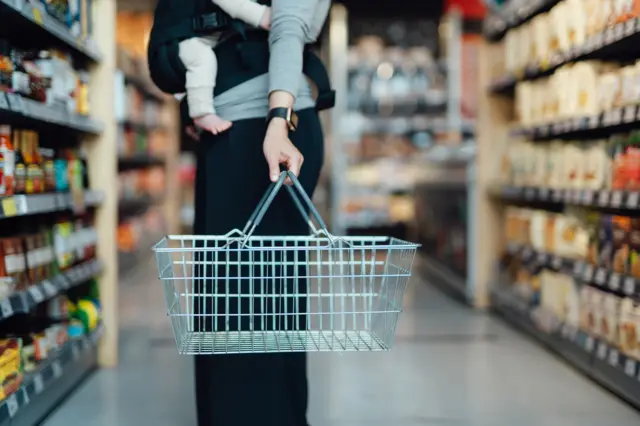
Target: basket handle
point(269, 196)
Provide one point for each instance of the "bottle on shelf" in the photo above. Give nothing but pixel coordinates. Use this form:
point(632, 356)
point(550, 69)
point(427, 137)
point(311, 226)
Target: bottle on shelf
point(7, 161)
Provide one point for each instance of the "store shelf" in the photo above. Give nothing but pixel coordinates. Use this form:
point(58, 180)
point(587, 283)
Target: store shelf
point(512, 15)
point(34, 19)
point(619, 38)
point(139, 161)
point(23, 302)
point(441, 275)
point(606, 123)
point(595, 198)
point(38, 112)
point(594, 357)
point(596, 276)
point(25, 205)
point(43, 390)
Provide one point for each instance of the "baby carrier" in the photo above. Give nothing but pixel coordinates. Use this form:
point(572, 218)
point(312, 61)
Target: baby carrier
point(241, 56)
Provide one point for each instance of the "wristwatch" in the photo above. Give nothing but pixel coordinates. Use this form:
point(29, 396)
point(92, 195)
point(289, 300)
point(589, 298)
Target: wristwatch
point(288, 114)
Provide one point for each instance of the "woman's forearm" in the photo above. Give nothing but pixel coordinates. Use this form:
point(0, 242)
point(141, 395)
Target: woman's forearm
point(291, 26)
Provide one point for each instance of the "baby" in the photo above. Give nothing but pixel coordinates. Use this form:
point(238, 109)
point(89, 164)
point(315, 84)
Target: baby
point(198, 57)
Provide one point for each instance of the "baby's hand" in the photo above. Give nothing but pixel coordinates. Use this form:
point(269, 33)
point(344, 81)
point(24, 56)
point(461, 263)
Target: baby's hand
point(265, 22)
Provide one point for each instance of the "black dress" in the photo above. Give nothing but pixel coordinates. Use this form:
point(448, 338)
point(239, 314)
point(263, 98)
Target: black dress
point(232, 175)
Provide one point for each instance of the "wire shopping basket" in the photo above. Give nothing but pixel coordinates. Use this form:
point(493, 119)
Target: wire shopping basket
point(243, 293)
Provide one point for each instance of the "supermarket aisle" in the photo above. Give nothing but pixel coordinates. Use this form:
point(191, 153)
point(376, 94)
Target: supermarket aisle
point(450, 367)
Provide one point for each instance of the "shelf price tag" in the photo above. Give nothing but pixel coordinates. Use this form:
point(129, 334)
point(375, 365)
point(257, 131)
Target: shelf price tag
point(36, 294)
point(15, 103)
point(602, 351)
point(616, 116)
point(557, 195)
point(603, 198)
point(12, 405)
point(529, 193)
point(577, 268)
point(75, 352)
point(619, 31)
point(543, 193)
point(49, 288)
point(589, 344)
point(632, 200)
point(629, 286)
point(593, 122)
point(3, 102)
point(57, 369)
point(614, 282)
point(629, 114)
point(556, 262)
point(37, 16)
point(616, 199)
point(629, 27)
point(630, 367)
point(601, 276)
point(9, 207)
point(587, 273)
point(38, 384)
point(587, 197)
point(614, 357)
point(6, 308)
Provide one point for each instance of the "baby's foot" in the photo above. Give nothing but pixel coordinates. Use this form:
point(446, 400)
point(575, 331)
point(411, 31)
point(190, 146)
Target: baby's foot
point(212, 123)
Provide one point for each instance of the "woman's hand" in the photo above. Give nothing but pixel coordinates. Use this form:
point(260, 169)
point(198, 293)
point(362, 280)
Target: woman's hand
point(278, 149)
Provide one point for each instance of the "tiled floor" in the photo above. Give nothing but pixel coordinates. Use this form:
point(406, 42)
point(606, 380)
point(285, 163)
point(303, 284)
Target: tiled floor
point(450, 367)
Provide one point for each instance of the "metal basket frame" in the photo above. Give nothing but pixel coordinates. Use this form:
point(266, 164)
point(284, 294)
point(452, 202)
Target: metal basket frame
point(242, 293)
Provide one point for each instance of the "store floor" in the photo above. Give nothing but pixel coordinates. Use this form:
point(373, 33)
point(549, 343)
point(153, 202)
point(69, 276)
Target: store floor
point(450, 367)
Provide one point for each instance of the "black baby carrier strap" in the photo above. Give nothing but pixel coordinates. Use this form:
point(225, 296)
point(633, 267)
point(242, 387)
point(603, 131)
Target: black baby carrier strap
point(241, 57)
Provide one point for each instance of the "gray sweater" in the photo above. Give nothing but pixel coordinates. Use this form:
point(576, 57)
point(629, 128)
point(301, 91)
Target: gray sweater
point(294, 23)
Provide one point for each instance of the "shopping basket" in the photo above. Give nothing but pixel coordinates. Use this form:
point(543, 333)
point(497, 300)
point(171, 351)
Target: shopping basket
point(243, 293)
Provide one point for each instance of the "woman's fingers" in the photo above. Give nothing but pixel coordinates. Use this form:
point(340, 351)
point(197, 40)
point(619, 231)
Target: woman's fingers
point(192, 133)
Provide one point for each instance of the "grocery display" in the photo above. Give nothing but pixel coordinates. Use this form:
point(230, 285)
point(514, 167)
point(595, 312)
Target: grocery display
point(400, 104)
point(55, 287)
point(562, 115)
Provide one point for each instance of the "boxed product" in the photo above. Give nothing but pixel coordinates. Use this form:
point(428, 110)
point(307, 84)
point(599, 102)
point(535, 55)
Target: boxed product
point(621, 228)
point(609, 319)
point(10, 366)
point(629, 326)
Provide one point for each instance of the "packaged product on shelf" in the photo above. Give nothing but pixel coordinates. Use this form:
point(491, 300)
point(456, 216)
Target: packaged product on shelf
point(540, 29)
point(559, 37)
point(609, 86)
point(13, 262)
point(574, 162)
point(626, 162)
point(630, 328)
point(20, 181)
point(7, 161)
point(593, 229)
point(605, 241)
point(63, 251)
point(6, 66)
point(634, 247)
point(621, 228)
point(10, 366)
point(537, 230)
point(577, 22)
point(571, 301)
point(82, 104)
point(596, 306)
point(611, 315)
point(597, 165)
point(571, 234)
point(584, 76)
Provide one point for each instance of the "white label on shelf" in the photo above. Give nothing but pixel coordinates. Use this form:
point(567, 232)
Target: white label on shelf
point(14, 263)
point(543, 193)
point(614, 357)
point(577, 268)
point(608, 36)
point(38, 384)
point(629, 286)
point(598, 40)
point(589, 344)
point(26, 399)
point(556, 262)
point(587, 196)
point(616, 199)
point(557, 195)
point(529, 193)
point(603, 198)
point(75, 352)
point(629, 27)
point(618, 31)
point(616, 116)
point(601, 276)
point(542, 257)
point(629, 114)
point(632, 200)
point(16, 103)
point(12, 405)
point(36, 293)
point(57, 369)
point(630, 367)
point(5, 308)
point(587, 273)
point(49, 289)
point(602, 351)
point(614, 281)
point(3, 102)
point(594, 121)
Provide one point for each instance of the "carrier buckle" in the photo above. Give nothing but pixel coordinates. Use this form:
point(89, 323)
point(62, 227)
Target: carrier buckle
point(209, 23)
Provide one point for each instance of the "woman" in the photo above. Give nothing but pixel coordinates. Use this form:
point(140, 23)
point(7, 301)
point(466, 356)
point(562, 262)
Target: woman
point(233, 172)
